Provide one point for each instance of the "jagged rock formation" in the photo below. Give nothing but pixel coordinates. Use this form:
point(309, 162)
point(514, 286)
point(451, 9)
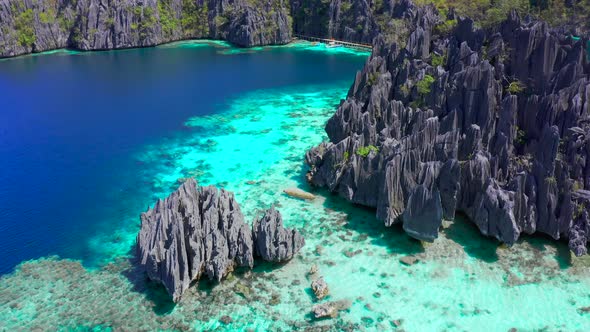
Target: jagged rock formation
point(30, 26)
point(193, 231)
point(351, 20)
point(272, 241)
point(330, 309)
point(320, 288)
point(201, 231)
point(493, 124)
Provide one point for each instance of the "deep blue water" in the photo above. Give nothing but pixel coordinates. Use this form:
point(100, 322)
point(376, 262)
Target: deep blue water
point(70, 124)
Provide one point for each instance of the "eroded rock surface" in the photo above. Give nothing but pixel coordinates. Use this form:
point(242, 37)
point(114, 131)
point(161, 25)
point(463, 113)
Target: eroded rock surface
point(491, 124)
point(320, 288)
point(330, 309)
point(30, 26)
point(200, 231)
point(272, 241)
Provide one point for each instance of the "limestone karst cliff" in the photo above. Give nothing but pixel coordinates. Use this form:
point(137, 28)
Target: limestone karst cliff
point(29, 26)
point(493, 123)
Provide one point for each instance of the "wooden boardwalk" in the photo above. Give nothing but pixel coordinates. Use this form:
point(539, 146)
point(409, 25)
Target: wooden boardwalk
point(337, 42)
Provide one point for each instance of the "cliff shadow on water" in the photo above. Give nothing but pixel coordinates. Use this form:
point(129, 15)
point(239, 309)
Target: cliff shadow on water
point(154, 292)
point(361, 220)
point(358, 218)
point(465, 233)
point(162, 304)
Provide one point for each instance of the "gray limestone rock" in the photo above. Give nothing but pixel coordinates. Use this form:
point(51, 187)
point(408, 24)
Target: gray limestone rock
point(409, 260)
point(30, 26)
point(501, 133)
point(273, 242)
point(330, 309)
point(193, 231)
point(320, 288)
point(200, 231)
point(324, 310)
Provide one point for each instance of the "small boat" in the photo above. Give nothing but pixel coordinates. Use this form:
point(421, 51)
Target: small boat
point(333, 44)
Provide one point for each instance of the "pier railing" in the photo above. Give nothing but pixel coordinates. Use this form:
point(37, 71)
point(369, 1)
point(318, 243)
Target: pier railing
point(337, 42)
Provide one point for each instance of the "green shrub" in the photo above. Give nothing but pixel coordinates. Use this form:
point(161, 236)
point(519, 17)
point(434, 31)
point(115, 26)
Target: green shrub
point(146, 21)
point(47, 17)
point(489, 13)
point(109, 22)
point(65, 24)
point(394, 30)
point(498, 10)
point(345, 6)
point(404, 90)
point(167, 19)
point(551, 181)
point(220, 21)
point(24, 28)
point(366, 150)
point(424, 85)
point(438, 60)
point(445, 27)
point(372, 78)
point(416, 104)
point(580, 207)
point(520, 136)
point(515, 87)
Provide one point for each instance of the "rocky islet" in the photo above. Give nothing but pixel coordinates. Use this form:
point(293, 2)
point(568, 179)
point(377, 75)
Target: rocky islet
point(201, 231)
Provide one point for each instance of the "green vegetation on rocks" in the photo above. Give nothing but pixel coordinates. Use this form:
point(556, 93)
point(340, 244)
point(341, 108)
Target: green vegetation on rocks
point(24, 28)
point(372, 78)
point(146, 21)
point(194, 20)
point(489, 13)
point(438, 60)
point(47, 17)
point(366, 150)
point(394, 30)
point(168, 21)
point(515, 87)
point(445, 27)
point(424, 85)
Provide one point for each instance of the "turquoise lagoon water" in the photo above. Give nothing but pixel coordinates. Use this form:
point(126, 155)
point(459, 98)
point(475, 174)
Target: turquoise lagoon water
point(251, 140)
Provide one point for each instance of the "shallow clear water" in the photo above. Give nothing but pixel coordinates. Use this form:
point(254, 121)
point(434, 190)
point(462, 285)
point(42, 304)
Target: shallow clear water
point(72, 125)
point(249, 137)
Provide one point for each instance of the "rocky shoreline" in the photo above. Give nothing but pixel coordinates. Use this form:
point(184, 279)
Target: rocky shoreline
point(30, 26)
point(200, 231)
point(451, 117)
point(35, 26)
